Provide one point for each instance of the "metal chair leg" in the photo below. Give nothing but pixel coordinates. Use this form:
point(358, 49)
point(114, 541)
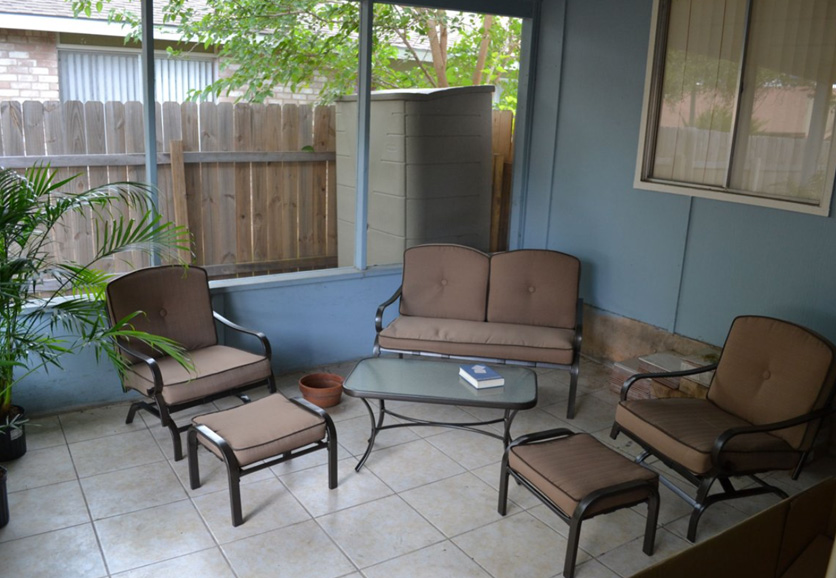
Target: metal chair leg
point(502, 506)
point(652, 521)
point(572, 546)
point(194, 468)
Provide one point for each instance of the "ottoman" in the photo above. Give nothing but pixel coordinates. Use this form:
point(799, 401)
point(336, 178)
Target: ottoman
point(261, 434)
point(578, 478)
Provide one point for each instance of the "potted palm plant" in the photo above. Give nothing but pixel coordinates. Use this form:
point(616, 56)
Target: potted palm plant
point(51, 307)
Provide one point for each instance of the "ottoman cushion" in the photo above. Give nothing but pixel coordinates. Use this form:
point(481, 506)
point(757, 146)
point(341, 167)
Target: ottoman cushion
point(262, 429)
point(568, 469)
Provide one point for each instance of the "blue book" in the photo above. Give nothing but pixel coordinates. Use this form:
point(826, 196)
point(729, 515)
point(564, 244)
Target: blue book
point(479, 375)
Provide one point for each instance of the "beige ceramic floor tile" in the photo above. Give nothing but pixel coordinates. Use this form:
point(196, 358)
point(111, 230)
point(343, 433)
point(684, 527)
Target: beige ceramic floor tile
point(353, 435)
point(140, 538)
point(201, 564)
point(471, 450)
point(299, 551)
point(59, 554)
point(600, 534)
point(593, 569)
point(116, 452)
point(458, 504)
point(98, 422)
point(40, 468)
point(379, 530)
point(266, 505)
point(132, 489)
point(519, 545)
point(44, 509)
point(212, 474)
point(517, 494)
point(628, 559)
point(443, 559)
point(44, 432)
point(714, 520)
point(536, 420)
point(591, 414)
point(310, 487)
point(412, 464)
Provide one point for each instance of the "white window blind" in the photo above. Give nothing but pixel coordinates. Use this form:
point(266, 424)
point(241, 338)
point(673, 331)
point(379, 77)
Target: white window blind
point(105, 76)
point(742, 99)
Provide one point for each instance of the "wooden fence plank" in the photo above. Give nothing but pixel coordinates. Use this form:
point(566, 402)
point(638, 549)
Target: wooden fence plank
point(275, 179)
point(166, 202)
point(210, 192)
point(189, 122)
point(11, 131)
point(94, 126)
point(178, 191)
point(54, 142)
point(305, 201)
point(266, 128)
point(33, 127)
point(289, 193)
point(243, 178)
point(223, 219)
point(115, 138)
point(319, 186)
point(135, 143)
point(75, 140)
point(331, 145)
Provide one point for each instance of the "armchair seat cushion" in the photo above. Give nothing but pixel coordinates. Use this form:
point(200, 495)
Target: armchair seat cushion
point(479, 339)
point(684, 430)
point(216, 369)
point(262, 429)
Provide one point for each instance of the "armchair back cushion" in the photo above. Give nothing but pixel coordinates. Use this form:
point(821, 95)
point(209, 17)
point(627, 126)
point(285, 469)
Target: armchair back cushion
point(174, 301)
point(534, 287)
point(770, 371)
point(445, 281)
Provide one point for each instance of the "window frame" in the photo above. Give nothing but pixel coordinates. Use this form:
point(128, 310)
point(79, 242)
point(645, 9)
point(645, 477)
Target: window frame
point(651, 112)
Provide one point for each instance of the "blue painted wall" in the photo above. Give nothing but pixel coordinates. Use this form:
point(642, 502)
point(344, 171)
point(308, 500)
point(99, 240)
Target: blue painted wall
point(310, 322)
point(685, 265)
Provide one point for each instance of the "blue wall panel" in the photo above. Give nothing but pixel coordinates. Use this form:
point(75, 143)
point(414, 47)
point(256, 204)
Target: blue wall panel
point(631, 242)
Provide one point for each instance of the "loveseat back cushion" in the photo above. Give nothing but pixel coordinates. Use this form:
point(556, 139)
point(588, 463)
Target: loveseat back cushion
point(771, 370)
point(534, 287)
point(445, 281)
point(174, 302)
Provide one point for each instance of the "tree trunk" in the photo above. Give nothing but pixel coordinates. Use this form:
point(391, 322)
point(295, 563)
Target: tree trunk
point(437, 34)
point(483, 49)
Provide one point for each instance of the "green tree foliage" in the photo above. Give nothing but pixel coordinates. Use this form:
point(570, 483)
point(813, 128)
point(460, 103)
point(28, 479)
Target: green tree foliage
point(264, 44)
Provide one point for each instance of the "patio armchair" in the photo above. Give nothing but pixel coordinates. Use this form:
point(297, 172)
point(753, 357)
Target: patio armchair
point(772, 386)
point(175, 303)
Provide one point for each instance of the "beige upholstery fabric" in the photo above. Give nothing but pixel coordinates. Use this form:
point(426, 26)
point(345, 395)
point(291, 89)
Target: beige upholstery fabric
point(217, 368)
point(175, 303)
point(685, 429)
point(568, 469)
point(770, 371)
point(473, 338)
point(534, 287)
point(445, 281)
point(263, 429)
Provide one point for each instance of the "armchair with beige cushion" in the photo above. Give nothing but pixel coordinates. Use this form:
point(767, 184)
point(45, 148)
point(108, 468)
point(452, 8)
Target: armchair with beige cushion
point(772, 386)
point(175, 303)
point(519, 307)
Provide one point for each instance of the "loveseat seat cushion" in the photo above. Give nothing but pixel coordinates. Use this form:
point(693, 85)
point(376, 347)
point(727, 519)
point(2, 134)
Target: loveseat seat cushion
point(479, 339)
point(445, 281)
point(534, 287)
point(685, 430)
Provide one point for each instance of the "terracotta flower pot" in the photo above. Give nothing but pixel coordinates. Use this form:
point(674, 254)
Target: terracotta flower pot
point(322, 389)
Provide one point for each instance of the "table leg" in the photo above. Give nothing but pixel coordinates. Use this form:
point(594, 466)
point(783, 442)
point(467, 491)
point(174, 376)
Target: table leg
point(509, 417)
point(375, 428)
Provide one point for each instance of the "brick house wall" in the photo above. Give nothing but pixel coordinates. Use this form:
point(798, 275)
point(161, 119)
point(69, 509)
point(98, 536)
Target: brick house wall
point(28, 65)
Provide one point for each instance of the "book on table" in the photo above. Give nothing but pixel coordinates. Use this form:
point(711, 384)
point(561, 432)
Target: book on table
point(479, 376)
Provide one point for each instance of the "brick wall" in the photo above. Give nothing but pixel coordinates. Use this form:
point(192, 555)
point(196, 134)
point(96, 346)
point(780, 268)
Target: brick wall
point(28, 65)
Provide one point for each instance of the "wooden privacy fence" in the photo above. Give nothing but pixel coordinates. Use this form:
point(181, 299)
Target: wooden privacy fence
point(255, 184)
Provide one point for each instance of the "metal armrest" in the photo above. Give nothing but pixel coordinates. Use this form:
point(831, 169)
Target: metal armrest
point(152, 364)
point(265, 343)
point(378, 317)
point(729, 434)
point(634, 378)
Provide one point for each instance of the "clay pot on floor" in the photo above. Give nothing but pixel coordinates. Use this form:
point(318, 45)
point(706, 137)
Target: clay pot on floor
point(322, 389)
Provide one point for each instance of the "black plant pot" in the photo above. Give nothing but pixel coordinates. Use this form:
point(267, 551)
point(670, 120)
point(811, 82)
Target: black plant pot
point(13, 439)
point(4, 499)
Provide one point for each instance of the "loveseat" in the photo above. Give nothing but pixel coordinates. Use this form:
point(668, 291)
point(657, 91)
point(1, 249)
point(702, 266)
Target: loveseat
point(792, 539)
point(519, 307)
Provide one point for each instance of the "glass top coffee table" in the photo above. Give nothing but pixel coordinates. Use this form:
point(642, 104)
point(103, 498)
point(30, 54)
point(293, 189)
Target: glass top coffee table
point(437, 382)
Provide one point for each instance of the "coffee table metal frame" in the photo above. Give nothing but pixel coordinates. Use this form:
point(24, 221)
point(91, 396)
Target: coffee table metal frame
point(444, 387)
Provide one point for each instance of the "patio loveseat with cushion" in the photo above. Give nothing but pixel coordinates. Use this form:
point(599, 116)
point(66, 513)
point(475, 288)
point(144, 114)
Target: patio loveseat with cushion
point(518, 307)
